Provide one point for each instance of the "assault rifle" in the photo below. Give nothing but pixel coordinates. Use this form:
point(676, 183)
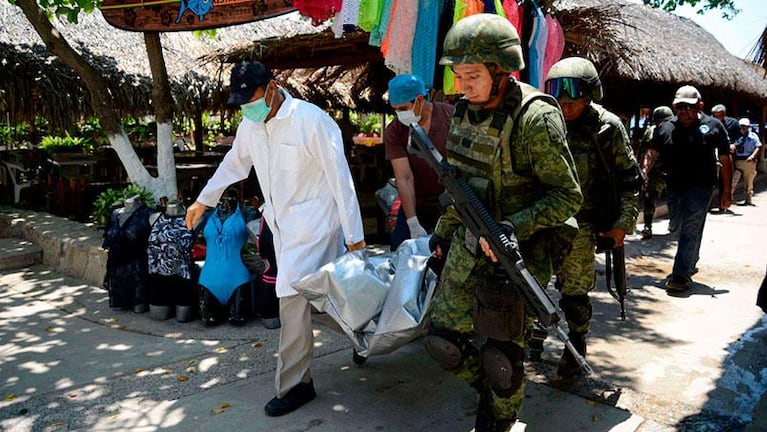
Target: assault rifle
point(501, 240)
point(615, 256)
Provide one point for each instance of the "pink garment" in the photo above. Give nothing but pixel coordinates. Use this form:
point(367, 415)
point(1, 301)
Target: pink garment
point(511, 9)
point(555, 45)
point(318, 10)
point(399, 55)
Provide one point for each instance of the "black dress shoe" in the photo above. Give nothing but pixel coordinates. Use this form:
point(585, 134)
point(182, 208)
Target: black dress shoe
point(294, 399)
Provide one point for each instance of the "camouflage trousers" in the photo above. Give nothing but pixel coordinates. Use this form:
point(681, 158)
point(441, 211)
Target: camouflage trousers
point(452, 309)
point(656, 187)
point(577, 275)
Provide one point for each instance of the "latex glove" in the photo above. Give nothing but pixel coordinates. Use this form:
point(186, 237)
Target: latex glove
point(416, 230)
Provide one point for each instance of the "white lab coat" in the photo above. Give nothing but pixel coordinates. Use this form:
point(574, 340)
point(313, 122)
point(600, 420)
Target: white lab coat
point(310, 202)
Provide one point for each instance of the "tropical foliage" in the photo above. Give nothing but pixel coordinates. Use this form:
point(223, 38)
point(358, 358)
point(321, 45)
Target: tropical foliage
point(111, 199)
point(727, 7)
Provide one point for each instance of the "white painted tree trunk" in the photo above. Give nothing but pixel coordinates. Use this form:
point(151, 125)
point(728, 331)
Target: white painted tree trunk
point(164, 185)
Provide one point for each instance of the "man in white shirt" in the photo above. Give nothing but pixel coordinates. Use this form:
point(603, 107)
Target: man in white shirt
point(310, 204)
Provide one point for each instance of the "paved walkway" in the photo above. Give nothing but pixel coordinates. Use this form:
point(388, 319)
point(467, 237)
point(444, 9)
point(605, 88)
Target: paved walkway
point(692, 363)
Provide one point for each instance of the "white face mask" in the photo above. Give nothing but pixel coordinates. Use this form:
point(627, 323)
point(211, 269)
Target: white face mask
point(408, 117)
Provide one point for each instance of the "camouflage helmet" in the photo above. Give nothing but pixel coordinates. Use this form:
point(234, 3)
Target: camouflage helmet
point(483, 38)
point(661, 113)
point(580, 68)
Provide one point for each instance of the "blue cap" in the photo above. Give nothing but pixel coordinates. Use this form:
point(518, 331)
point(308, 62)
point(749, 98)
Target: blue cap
point(246, 78)
point(405, 88)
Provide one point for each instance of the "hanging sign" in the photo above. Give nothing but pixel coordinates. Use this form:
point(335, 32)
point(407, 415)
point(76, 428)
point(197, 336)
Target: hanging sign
point(185, 15)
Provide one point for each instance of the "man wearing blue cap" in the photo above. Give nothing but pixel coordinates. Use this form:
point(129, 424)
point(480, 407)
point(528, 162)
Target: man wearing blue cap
point(419, 194)
point(298, 154)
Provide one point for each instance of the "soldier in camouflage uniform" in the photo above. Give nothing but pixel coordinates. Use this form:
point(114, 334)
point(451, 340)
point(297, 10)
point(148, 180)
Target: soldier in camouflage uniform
point(609, 178)
point(508, 141)
point(654, 179)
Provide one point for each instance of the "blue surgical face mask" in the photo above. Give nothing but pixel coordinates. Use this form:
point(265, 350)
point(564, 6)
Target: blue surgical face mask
point(257, 110)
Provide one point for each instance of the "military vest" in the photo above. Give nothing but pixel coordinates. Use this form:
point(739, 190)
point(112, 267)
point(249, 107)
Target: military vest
point(490, 156)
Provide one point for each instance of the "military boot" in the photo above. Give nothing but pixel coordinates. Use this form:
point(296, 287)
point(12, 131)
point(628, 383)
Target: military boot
point(486, 421)
point(568, 367)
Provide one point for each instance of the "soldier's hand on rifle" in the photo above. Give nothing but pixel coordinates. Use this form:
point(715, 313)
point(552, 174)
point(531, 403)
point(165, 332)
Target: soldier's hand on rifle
point(508, 229)
point(616, 235)
point(487, 250)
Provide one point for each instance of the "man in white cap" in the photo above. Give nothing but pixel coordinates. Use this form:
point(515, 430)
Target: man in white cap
point(689, 143)
point(746, 150)
point(417, 184)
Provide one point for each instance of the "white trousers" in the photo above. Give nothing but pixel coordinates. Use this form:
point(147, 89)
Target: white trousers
point(296, 343)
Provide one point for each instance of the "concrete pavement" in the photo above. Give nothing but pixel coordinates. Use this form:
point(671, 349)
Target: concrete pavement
point(696, 362)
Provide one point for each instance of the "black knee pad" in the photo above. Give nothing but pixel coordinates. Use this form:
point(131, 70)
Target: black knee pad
point(502, 363)
point(577, 308)
point(448, 348)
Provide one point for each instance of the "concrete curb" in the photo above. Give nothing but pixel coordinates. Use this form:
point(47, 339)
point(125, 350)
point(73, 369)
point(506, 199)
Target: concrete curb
point(68, 247)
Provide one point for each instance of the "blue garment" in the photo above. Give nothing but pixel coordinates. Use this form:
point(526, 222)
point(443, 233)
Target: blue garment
point(424, 56)
point(224, 270)
point(745, 145)
point(537, 46)
point(690, 208)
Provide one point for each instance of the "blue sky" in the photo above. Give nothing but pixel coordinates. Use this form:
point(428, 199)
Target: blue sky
point(739, 34)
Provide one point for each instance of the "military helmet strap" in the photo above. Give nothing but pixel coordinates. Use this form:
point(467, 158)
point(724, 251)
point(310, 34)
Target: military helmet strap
point(460, 110)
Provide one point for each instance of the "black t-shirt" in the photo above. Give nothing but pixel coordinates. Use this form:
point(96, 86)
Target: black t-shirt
point(733, 128)
point(689, 152)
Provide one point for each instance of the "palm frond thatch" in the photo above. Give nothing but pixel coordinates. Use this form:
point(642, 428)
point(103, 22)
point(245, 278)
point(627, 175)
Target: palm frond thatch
point(653, 52)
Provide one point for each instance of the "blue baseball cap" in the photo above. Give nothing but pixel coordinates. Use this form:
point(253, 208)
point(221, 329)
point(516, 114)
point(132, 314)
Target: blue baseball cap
point(246, 78)
point(405, 88)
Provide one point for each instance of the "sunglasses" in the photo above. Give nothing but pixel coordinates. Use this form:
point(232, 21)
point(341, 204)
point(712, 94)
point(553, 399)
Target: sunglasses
point(574, 88)
point(685, 107)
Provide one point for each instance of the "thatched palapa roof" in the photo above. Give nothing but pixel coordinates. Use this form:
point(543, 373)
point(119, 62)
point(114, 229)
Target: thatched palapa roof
point(650, 53)
point(333, 73)
point(34, 82)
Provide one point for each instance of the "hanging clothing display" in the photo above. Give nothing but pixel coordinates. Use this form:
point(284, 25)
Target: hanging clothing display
point(318, 10)
point(408, 32)
point(425, 39)
point(537, 48)
point(555, 45)
point(224, 270)
point(125, 239)
point(398, 45)
point(170, 263)
point(378, 32)
point(347, 18)
point(370, 14)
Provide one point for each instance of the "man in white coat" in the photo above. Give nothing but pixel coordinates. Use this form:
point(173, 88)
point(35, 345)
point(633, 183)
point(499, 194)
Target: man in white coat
point(309, 202)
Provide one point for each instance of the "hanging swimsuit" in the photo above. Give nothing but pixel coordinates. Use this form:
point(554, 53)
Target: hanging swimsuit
point(170, 247)
point(126, 246)
point(170, 262)
point(224, 270)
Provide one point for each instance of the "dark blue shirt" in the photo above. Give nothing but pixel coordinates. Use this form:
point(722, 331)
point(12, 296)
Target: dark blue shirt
point(690, 152)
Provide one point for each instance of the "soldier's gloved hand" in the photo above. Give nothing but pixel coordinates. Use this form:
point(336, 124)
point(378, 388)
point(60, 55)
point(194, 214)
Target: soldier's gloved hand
point(416, 230)
point(438, 246)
